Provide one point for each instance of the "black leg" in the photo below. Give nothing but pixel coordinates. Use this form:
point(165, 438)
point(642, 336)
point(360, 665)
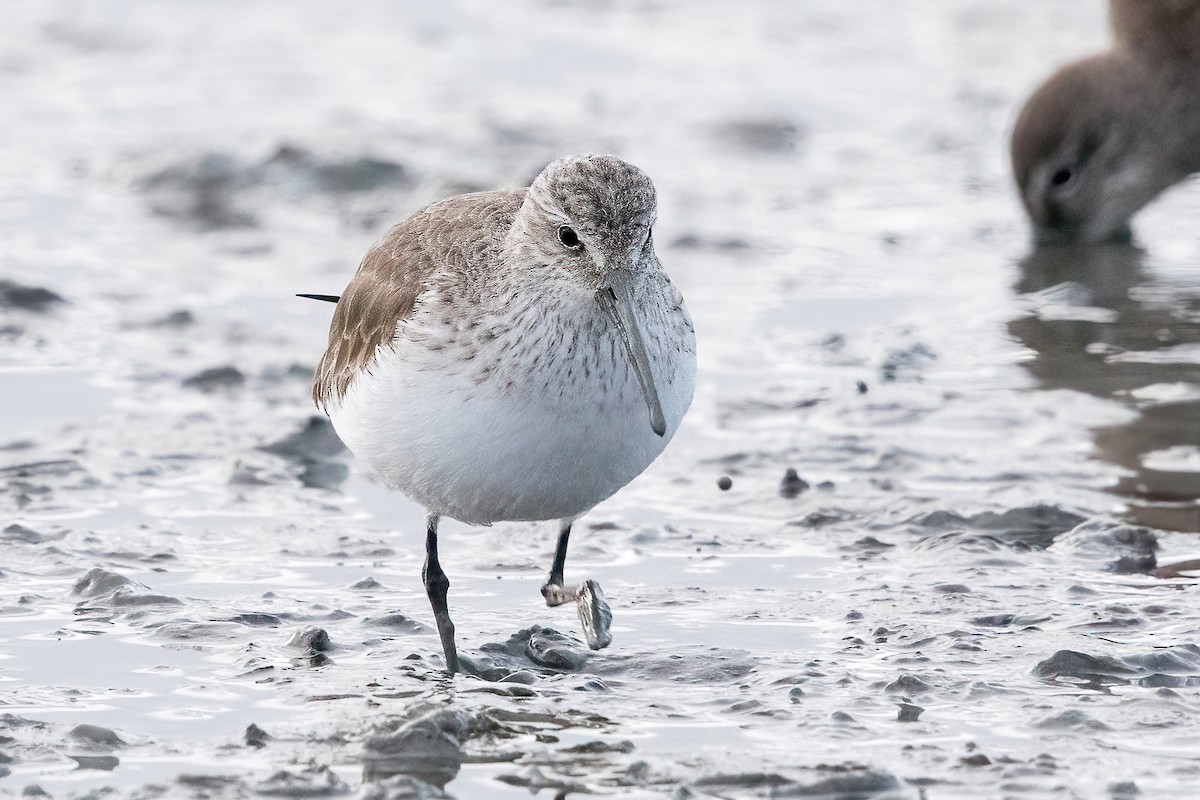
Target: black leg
point(553, 589)
point(436, 586)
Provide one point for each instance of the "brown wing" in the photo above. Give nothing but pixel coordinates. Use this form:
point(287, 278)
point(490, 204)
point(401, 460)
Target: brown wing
point(396, 271)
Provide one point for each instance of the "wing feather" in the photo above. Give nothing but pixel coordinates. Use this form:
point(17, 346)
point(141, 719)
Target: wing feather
point(452, 235)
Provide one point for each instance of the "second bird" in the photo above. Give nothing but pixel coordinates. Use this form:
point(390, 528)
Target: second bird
point(1106, 135)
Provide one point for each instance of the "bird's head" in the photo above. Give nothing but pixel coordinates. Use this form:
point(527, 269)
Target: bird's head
point(591, 217)
point(1084, 154)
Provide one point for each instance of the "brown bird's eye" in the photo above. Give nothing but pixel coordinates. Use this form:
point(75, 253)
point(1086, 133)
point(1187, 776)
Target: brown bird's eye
point(568, 237)
point(1061, 177)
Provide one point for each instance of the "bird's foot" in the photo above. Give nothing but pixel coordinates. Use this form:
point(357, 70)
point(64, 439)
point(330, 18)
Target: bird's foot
point(594, 615)
point(556, 594)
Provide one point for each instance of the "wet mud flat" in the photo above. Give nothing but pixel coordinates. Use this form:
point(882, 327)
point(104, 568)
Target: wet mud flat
point(952, 551)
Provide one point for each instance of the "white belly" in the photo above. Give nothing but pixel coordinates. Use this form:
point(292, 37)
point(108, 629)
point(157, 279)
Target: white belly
point(482, 451)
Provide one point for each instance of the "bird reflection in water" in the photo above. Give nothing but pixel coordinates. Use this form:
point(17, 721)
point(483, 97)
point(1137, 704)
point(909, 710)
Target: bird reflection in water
point(1135, 338)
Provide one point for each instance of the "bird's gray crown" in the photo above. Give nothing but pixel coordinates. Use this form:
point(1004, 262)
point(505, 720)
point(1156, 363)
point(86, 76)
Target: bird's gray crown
point(597, 193)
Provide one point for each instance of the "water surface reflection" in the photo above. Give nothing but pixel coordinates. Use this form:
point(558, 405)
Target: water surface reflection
point(1099, 322)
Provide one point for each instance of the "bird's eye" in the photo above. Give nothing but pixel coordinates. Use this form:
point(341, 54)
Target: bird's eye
point(568, 237)
point(1062, 177)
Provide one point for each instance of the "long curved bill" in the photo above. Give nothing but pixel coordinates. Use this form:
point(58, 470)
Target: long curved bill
point(614, 298)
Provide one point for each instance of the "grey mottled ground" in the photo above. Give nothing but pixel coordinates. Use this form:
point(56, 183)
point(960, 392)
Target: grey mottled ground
point(966, 586)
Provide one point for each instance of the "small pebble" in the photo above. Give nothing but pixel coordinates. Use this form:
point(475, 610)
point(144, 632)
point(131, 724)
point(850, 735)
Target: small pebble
point(792, 484)
point(724, 483)
point(255, 736)
point(311, 640)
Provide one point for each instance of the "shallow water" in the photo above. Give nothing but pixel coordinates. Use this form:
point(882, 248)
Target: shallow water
point(975, 594)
